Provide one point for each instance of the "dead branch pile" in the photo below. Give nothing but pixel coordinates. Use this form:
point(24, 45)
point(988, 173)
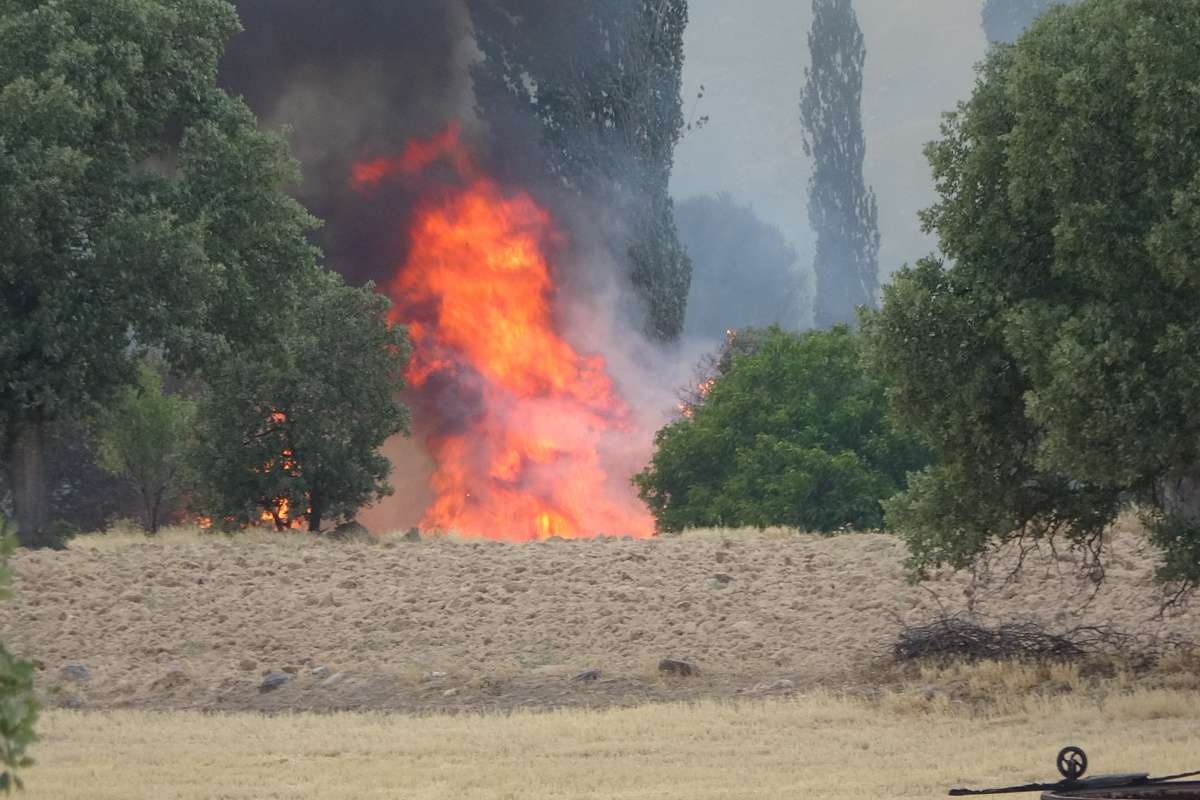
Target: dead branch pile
point(958, 639)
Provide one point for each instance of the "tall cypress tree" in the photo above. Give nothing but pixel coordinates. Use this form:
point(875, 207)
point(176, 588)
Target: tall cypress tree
point(597, 84)
point(841, 207)
point(1005, 20)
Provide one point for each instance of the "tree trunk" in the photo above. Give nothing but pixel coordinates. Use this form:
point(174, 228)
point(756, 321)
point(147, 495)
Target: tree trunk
point(314, 515)
point(30, 495)
point(153, 500)
point(1180, 495)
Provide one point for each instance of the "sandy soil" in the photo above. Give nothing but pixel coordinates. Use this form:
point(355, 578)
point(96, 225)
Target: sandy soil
point(196, 622)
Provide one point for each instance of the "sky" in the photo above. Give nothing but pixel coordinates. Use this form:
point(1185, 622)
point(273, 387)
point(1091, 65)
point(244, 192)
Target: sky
point(750, 57)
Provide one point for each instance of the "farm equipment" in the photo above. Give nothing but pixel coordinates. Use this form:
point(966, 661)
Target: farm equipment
point(1072, 764)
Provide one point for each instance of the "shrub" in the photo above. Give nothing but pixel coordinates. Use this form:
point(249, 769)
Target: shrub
point(18, 710)
point(792, 433)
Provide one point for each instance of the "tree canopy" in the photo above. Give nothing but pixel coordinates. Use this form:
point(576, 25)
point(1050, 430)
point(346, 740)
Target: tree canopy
point(792, 433)
point(1054, 360)
point(144, 437)
point(292, 427)
point(141, 206)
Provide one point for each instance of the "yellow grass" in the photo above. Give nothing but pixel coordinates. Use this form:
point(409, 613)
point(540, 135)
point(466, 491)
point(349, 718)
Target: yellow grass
point(817, 746)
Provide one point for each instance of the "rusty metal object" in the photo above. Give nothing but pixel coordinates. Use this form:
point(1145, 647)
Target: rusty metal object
point(1072, 763)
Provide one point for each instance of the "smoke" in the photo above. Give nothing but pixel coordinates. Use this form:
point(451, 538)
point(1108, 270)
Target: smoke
point(744, 272)
point(353, 79)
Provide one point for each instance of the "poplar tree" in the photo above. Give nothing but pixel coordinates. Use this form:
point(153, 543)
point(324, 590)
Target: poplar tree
point(841, 207)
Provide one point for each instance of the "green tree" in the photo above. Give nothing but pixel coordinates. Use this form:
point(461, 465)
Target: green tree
point(1054, 362)
point(841, 207)
point(793, 434)
point(144, 438)
point(598, 83)
point(299, 419)
point(18, 709)
point(141, 206)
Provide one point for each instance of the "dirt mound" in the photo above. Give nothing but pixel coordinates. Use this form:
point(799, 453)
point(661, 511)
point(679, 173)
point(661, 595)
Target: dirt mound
point(197, 621)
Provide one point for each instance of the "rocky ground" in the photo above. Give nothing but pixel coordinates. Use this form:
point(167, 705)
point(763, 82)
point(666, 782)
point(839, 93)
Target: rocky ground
point(196, 621)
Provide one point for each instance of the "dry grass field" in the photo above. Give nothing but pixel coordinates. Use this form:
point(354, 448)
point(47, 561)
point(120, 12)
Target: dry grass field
point(811, 746)
point(191, 621)
point(445, 669)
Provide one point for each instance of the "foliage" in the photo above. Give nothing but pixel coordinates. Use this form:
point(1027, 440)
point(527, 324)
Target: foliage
point(300, 418)
point(841, 208)
point(744, 273)
point(792, 434)
point(599, 84)
point(18, 711)
point(1005, 20)
point(144, 437)
point(1053, 364)
point(141, 206)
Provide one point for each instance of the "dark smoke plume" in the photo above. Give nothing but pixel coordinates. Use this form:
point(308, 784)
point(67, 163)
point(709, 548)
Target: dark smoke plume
point(577, 104)
point(353, 79)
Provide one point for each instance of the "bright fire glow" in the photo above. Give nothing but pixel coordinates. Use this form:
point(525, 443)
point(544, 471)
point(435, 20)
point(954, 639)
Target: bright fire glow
point(514, 415)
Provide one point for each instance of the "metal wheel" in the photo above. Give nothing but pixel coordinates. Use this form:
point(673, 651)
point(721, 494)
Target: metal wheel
point(1072, 762)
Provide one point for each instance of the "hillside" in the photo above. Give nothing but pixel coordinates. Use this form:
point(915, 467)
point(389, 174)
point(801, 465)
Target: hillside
point(195, 621)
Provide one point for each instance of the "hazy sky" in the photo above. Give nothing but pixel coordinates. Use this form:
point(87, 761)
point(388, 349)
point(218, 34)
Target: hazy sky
point(750, 57)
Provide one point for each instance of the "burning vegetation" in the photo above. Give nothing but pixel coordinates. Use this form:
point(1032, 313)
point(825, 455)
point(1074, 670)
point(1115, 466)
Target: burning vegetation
point(512, 413)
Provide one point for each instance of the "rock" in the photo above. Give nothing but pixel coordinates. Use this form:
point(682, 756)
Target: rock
point(71, 701)
point(413, 535)
point(247, 665)
point(723, 578)
point(75, 673)
point(450, 693)
point(320, 672)
point(683, 669)
point(291, 670)
point(587, 675)
point(332, 679)
point(172, 680)
point(274, 681)
point(433, 676)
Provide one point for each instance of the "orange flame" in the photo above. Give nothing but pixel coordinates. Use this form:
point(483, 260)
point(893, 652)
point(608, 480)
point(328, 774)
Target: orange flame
point(476, 289)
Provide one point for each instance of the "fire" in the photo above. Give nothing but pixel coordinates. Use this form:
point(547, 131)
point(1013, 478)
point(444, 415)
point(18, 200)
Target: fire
point(524, 461)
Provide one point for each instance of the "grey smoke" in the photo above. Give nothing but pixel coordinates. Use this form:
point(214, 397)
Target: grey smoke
point(750, 59)
point(744, 273)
